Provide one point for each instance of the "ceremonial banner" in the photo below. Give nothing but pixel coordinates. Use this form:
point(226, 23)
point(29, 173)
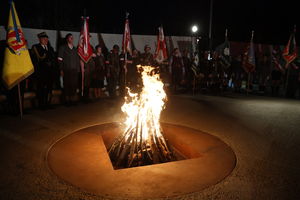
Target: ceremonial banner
point(223, 51)
point(290, 51)
point(161, 48)
point(17, 64)
point(249, 57)
point(85, 50)
point(126, 43)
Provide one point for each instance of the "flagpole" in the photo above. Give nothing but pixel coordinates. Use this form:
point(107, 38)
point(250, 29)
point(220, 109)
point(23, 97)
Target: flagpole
point(249, 73)
point(81, 62)
point(20, 101)
point(210, 28)
point(125, 54)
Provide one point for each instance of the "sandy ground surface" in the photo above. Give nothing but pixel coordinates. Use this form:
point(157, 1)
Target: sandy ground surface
point(263, 132)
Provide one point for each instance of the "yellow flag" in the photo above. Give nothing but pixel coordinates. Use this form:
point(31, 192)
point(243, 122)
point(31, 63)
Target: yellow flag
point(17, 64)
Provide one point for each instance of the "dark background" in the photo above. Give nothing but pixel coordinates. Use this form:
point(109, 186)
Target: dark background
point(272, 21)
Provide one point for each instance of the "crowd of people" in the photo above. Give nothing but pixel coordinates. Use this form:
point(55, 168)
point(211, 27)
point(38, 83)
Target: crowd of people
point(105, 74)
point(113, 71)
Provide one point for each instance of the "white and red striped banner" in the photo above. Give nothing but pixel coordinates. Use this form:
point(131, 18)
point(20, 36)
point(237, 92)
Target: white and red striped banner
point(85, 50)
point(126, 43)
point(161, 48)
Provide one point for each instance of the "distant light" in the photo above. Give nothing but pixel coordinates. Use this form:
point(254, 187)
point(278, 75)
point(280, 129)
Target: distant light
point(209, 56)
point(194, 29)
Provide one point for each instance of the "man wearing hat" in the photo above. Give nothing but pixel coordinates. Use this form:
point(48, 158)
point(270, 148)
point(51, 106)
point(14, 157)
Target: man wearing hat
point(147, 57)
point(43, 58)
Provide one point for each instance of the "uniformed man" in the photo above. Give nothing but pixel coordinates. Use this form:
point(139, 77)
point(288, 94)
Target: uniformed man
point(70, 67)
point(113, 70)
point(43, 58)
point(147, 56)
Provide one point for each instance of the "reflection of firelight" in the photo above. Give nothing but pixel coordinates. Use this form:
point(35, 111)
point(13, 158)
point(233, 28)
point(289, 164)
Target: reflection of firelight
point(142, 142)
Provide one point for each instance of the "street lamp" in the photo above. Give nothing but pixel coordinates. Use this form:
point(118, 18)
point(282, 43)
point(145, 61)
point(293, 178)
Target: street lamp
point(194, 53)
point(194, 38)
point(194, 29)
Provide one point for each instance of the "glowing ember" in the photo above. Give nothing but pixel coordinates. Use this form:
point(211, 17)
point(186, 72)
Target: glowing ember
point(142, 142)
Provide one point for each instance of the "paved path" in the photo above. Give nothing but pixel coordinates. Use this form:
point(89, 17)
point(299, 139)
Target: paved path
point(263, 132)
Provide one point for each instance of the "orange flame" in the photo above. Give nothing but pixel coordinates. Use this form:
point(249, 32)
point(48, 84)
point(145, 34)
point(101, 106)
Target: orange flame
point(143, 110)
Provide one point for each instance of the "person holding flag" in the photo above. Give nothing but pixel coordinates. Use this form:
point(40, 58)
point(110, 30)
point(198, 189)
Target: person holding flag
point(17, 64)
point(249, 60)
point(85, 52)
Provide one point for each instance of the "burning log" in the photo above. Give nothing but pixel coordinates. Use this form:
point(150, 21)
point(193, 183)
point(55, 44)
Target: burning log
point(142, 142)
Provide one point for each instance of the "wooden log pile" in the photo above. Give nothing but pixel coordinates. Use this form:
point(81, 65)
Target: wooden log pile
point(132, 149)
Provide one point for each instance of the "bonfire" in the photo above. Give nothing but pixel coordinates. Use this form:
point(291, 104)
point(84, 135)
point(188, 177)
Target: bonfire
point(142, 142)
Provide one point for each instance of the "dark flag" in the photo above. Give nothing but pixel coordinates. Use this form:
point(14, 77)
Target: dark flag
point(249, 57)
point(223, 51)
point(290, 51)
point(275, 61)
point(132, 43)
point(102, 45)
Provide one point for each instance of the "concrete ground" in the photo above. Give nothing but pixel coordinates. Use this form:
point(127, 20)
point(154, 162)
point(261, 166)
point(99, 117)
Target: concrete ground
point(263, 132)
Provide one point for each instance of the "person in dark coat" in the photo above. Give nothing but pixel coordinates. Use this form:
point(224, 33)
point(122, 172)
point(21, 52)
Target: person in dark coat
point(292, 80)
point(43, 58)
point(146, 58)
point(132, 75)
point(276, 77)
point(187, 63)
point(113, 70)
point(177, 70)
point(99, 73)
point(70, 67)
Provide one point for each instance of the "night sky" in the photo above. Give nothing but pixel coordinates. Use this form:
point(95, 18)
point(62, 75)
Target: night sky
point(272, 21)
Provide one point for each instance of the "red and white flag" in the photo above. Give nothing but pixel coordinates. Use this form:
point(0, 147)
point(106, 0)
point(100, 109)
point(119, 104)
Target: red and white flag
point(290, 51)
point(85, 50)
point(161, 48)
point(126, 44)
